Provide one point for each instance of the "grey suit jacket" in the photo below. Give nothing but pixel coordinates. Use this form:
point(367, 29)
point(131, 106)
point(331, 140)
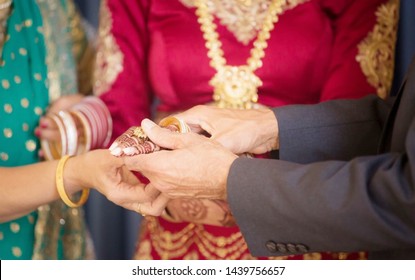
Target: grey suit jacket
point(345, 180)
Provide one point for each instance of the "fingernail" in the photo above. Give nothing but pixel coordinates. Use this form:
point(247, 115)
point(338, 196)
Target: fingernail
point(37, 132)
point(43, 124)
point(113, 146)
point(147, 124)
point(130, 151)
point(116, 152)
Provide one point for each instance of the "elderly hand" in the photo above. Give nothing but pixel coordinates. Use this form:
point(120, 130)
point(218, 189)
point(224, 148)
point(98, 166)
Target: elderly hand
point(241, 131)
point(193, 167)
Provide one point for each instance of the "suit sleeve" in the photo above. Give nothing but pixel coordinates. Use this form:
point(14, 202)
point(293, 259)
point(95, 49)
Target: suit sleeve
point(121, 77)
point(363, 204)
point(335, 129)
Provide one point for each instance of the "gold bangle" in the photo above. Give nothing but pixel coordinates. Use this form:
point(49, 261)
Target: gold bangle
point(181, 126)
point(61, 188)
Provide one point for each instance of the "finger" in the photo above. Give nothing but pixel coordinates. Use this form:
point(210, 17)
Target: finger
point(144, 163)
point(119, 143)
point(128, 193)
point(151, 191)
point(163, 137)
point(197, 118)
point(46, 122)
point(155, 207)
point(50, 134)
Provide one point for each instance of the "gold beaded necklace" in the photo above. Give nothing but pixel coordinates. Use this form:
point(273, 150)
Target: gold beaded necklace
point(236, 86)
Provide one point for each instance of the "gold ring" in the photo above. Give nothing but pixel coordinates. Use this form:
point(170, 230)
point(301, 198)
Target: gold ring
point(181, 126)
point(138, 210)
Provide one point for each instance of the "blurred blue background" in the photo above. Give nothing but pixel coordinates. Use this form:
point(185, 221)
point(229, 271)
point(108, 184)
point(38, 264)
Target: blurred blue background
point(114, 230)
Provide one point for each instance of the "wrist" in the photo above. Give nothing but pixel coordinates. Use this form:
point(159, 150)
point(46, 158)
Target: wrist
point(270, 128)
point(224, 184)
point(72, 175)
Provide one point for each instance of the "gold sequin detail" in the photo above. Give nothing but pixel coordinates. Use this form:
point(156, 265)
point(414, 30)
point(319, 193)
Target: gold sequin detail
point(4, 156)
point(17, 252)
point(109, 58)
point(12, 56)
point(38, 111)
point(8, 133)
point(15, 227)
point(23, 51)
point(8, 108)
point(377, 51)
point(24, 102)
point(30, 145)
point(38, 77)
point(17, 79)
point(25, 127)
point(242, 18)
point(28, 23)
point(5, 84)
point(312, 256)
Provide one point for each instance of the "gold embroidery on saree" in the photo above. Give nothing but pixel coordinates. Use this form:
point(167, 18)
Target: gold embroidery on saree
point(52, 219)
point(242, 17)
point(170, 245)
point(178, 245)
point(377, 51)
point(109, 60)
point(61, 73)
point(83, 51)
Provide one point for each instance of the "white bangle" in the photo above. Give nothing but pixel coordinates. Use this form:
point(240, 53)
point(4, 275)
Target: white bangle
point(5, 5)
point(71, 132)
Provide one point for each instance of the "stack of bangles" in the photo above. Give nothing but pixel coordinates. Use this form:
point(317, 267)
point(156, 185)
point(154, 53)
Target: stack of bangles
point(94, 120)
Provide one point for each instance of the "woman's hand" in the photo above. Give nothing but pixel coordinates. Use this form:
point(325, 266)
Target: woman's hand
point(107, 174)
point(47, 128)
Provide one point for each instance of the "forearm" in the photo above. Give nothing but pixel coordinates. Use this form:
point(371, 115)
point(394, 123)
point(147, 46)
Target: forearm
point(23, 189)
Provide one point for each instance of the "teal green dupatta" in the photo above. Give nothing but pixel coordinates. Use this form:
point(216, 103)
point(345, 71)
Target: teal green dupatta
point(37, 67)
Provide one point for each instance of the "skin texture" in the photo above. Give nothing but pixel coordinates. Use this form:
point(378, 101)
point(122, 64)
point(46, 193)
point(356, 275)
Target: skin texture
point(23, 189)
point(256, 131)
point(194, 166)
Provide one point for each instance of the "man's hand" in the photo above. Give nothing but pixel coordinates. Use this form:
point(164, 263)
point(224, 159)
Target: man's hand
point(194, 166)
point(241, 131)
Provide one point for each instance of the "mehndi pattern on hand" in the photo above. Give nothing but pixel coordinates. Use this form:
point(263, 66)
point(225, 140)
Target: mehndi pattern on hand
point(134, 141)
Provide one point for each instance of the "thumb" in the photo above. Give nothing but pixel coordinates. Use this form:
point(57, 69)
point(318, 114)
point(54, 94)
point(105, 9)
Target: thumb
point(161, 136)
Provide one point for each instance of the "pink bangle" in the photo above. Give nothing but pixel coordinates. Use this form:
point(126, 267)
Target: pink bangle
point(104, 118)
point(83, 109)
point(99, 118)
